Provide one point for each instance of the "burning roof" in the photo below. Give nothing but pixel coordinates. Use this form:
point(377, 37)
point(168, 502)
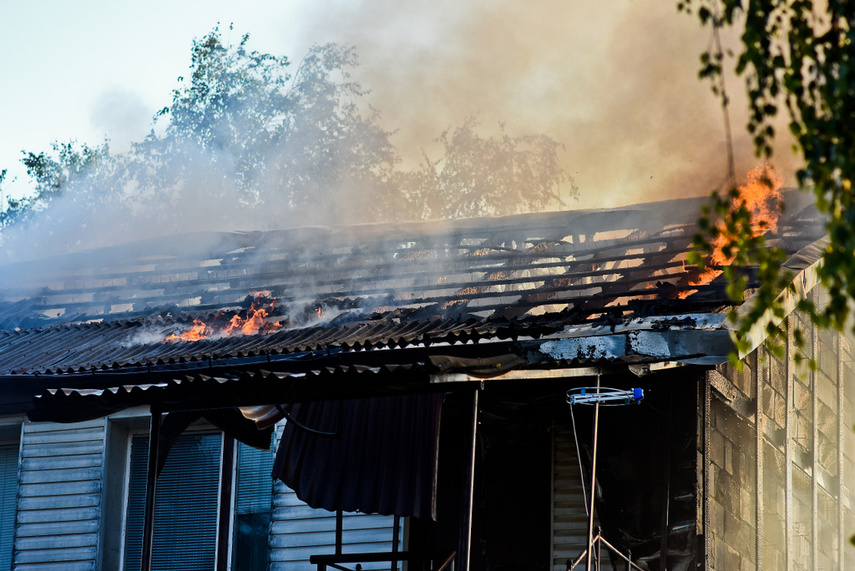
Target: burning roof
point(261, 296)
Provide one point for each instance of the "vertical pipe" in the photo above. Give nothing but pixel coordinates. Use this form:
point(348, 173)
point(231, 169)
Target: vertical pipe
point(814, 479)
point(593, 480)
point(225, 508)
point(150, 490)
point(469, 489)
point(789, 452)
point(759, 373)
point(841, 466)
point(709, 557)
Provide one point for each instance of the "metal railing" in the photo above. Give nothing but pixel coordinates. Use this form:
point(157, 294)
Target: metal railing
point(597, 543)
point(436, 562)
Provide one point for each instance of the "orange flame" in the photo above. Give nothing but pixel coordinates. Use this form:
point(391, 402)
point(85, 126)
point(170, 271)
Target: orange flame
point(253, 323)
point(197, 332)
point(760, 194)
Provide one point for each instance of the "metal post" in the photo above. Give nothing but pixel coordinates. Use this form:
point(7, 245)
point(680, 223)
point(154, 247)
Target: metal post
point(469, 490)
point(226, 485)
point(396, 532)
point(593, 481)
point(666, 489)
point(150, 490)
point(339, 531)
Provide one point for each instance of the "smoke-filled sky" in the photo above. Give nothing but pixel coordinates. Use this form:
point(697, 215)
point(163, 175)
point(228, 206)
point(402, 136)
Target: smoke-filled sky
point(614, 81)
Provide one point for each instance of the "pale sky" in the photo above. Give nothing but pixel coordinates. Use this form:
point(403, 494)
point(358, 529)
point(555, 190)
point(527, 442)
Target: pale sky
point(90, 69)
point(614, 81)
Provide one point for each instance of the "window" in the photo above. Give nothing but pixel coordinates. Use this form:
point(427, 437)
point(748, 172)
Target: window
point(186, 510)
point(8, 490)
point(254, 495)
point(185, 515)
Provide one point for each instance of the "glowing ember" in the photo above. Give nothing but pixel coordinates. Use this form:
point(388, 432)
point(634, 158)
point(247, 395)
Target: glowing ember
point(760, 194)
point(252, 323)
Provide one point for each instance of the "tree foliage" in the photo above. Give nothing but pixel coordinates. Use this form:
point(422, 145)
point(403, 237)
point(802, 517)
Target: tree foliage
point(797, 56)
point(253, 135)
point(478, 176)
point(281, 139)
point(53, 174)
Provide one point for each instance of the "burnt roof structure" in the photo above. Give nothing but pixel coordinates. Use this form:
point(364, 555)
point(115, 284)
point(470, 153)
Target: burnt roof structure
point(379, 334)
point(549, 289)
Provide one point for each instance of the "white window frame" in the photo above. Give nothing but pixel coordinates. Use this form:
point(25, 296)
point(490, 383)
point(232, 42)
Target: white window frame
point(134, 422)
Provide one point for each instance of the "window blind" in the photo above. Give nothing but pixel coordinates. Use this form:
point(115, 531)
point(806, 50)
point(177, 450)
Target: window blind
point(185, 515)
point(253, 500)
point(8, 488)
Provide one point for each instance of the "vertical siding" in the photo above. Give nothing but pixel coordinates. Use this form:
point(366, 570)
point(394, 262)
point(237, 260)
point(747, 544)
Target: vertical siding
point(780, 453)
point(569, 519)
point(298, 531)
point(59, 496)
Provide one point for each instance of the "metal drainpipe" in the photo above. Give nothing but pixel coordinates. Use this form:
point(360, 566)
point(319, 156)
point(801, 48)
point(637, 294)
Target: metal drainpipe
point(150, 489)
point(469, 490)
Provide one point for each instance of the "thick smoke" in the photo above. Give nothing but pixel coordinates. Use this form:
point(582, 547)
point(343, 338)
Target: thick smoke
point(614, 82)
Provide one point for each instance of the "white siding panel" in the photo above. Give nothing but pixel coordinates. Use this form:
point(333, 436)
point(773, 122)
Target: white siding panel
point(69, 448)
point(53, 529)
point(66, 566)
point(326, 538)
point(59, 488)
point(59, 541)
point(66, 462)
point(289, 526)
point(67, 474)
point(59, 496)
point(52, 515)
point(53, 502)
point(287, 566)
point(56, 556)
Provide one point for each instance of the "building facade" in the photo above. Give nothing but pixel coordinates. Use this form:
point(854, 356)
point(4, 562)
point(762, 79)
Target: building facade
point(408, 389)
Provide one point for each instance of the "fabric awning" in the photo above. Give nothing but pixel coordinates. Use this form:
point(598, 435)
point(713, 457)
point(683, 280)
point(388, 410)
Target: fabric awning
point(375, 455)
